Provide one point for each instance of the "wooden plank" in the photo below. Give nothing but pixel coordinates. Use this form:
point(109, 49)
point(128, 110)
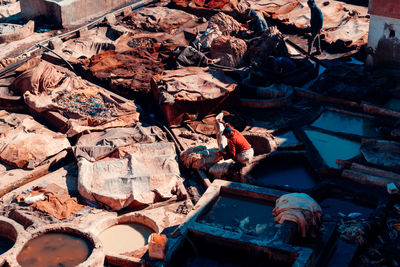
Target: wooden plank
point(365, 178)
point(368, 169)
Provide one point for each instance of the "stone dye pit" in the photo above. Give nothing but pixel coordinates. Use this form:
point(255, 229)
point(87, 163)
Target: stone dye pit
point(232, 225)
point(340, 122)
point(217, 255)
point(54, 249)
point(244, 215)
point(122, 238)
point(291, 172)
point(332, 148)
point(10, 234)
point(5, 244)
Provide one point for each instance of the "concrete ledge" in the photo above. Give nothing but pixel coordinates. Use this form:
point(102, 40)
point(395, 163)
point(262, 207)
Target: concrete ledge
point(70, 13)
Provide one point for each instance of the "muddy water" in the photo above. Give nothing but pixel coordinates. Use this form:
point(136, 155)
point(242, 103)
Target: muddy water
point(339, 122)
point(5, 244)
point(293, 174)
point(332, 148)
point(55, 249)
point(123, 238)
point(229, 211)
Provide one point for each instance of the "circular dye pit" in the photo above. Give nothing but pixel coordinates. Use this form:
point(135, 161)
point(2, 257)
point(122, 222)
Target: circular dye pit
point(8, 235)
point(127, 237)
point(5, 244)
point(55, 249)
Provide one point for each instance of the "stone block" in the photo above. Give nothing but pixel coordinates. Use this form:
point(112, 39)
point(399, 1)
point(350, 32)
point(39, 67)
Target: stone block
point(70, 13)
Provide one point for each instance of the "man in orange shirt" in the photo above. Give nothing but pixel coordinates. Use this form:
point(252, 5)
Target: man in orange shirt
point(238, 147)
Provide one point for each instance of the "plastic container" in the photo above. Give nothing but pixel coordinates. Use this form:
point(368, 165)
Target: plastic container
point(157, 246)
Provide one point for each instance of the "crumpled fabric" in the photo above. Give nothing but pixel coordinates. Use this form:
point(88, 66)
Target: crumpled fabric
point(159, 18)
point(301, 209)
point(97, 145)
point(186, 56)
point(86, 106)
point(200, 157)
point(221, 168)
point(57, 202)
point(25, 143)
point(220, 24)
point(228, 50)
point(134, 175)
point(192, 84)
point(270, 43)
point(231, 6)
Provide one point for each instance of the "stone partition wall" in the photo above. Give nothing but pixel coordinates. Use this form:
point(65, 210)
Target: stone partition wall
point(70, 13)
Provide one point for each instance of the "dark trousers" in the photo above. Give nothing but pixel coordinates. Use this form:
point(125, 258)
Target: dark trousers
point(311, 41)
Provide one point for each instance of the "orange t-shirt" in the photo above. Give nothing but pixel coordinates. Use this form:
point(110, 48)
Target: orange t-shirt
point(237, 143)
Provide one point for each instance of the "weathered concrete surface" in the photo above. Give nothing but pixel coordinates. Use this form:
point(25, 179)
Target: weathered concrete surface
point(69, 13)
point(17, 32)
point(9, 10)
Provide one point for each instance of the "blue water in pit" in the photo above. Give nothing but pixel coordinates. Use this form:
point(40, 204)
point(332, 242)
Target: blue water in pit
point(343, 123)
point(331, 148)
point(5, 244)
point(230, 210)
point(286, 174)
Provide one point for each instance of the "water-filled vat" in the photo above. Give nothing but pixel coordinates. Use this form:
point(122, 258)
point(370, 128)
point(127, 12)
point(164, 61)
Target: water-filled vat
point(331, 148)
point(343, 123)
point(5, 244)
point(214, 252)
point(125, 237)
point(8, 236)
point(55, 249)
point(286, 170)
point(240, 214)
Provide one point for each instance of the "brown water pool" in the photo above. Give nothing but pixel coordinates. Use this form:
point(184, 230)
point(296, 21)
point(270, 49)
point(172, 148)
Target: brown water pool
point(55, 249)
